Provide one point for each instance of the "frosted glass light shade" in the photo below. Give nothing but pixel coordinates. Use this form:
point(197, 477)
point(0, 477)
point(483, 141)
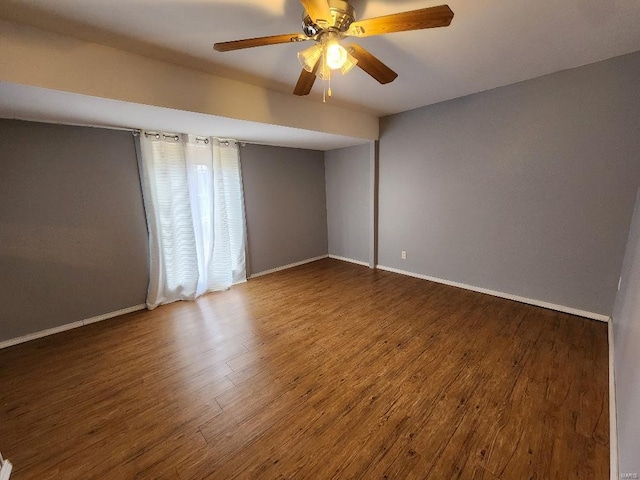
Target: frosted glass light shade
point(349, 63)
point(309, 57)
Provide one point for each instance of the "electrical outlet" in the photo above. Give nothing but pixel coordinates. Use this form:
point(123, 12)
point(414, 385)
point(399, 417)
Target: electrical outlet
point(403, 255)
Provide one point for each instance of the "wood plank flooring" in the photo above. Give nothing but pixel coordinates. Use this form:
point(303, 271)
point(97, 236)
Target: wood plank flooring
point(325, 371)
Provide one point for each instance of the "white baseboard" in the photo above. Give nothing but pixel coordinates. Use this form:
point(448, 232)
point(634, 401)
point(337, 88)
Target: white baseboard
point(117, 313)
point(508, 296)
point(284, 267)
point(69, 326)
point(5, 469)
point(350, 260)
point(613, 415)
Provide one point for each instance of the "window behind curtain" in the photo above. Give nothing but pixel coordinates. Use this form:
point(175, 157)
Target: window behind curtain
point(195, 214)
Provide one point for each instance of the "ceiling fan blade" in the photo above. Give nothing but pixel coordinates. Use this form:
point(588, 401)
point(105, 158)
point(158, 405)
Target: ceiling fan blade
point(317, 9)
point(259, 42)
point(306, 81)
point(371, 65)
point(431, 17)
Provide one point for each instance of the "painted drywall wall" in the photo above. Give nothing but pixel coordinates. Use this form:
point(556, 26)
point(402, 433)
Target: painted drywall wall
point(527, 189)
point(73, 239)
point(30, 56)
point(347, 174)
point(626, 332)
point(285, 203)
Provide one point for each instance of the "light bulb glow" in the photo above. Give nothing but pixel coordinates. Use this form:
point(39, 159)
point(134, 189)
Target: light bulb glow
point(336, 56)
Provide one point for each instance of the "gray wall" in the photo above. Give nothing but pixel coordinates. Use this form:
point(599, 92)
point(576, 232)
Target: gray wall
point(284, 192)
point(626, 333)
point(347, 173)
point(526, 189)
point(73, 239)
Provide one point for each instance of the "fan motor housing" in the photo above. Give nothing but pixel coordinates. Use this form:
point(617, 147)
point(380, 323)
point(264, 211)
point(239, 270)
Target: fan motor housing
point(342, 16)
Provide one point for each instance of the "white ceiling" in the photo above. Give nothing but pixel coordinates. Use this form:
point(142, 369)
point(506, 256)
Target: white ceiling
point(490, 43)
point(44, 105)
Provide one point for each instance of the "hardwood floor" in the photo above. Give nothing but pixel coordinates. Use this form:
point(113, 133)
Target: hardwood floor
point(328, 370)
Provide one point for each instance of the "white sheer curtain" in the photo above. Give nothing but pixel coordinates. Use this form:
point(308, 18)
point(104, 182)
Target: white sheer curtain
point(194, 205)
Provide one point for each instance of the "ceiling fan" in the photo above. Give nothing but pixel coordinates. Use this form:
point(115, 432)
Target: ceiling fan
point(327, 22)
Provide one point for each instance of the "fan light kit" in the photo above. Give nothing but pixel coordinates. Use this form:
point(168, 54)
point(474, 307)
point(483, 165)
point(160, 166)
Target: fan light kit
point(327, 22)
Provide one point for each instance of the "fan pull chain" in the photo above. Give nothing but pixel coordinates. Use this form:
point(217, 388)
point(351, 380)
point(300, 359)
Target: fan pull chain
point(324, 72)
point(324, 90)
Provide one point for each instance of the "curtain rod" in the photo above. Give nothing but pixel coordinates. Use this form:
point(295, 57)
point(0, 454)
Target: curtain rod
point(199, 138)
point(134, 131)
